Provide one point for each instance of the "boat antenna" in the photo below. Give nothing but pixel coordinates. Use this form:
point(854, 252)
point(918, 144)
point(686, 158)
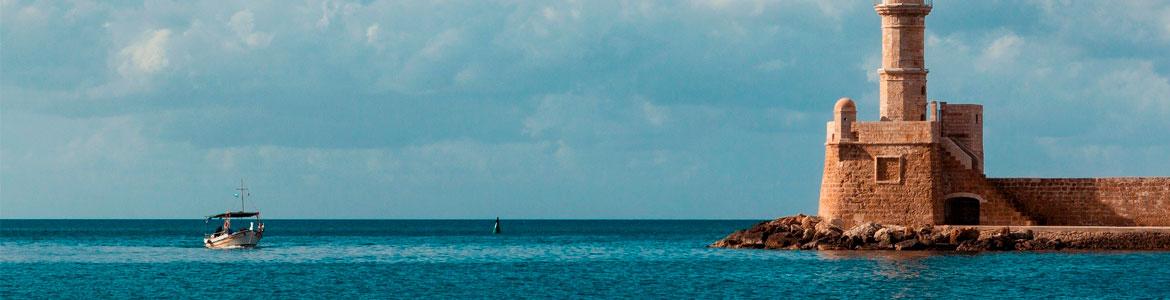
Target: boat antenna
point(243, 192)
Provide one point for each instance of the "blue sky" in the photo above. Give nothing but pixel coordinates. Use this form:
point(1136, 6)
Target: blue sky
point(527, 109)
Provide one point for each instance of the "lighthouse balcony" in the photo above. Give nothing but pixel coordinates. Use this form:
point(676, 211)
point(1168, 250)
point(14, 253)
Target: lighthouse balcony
point(903, 2)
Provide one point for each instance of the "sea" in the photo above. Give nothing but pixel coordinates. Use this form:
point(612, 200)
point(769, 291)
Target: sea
point(362, 259)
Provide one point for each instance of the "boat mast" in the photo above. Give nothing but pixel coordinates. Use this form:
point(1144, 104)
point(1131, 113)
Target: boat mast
point(243, 192)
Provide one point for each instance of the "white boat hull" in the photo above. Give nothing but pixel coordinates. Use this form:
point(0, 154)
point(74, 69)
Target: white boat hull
point(241, 239)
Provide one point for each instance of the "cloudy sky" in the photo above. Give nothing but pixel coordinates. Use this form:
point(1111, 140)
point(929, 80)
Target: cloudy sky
point(534, 109)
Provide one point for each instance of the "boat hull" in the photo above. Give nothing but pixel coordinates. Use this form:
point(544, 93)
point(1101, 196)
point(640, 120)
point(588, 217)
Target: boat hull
point(242, 239)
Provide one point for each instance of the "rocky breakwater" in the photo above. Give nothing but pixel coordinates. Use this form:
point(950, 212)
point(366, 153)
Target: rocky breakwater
point(802, 232)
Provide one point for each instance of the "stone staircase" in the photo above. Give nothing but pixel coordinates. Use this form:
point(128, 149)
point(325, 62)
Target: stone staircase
point(1000, 209)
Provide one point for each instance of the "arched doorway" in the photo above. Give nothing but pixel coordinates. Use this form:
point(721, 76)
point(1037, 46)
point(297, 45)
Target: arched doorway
point(962, 211)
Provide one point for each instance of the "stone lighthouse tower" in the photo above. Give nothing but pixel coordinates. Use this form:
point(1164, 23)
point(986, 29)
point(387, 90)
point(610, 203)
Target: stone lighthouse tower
point(888, 171)
point(903, 71)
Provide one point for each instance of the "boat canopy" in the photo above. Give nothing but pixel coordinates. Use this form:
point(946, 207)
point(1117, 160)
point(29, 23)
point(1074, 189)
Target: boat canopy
point(235, 214)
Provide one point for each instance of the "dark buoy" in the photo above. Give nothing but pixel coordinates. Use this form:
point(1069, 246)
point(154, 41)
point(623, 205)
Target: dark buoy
point(496, 229)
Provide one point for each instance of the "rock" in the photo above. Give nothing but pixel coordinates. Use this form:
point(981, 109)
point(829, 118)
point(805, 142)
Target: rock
point(973, 245)
point(960, 235)
point(779, 241)
point(810, 232)
point(810, 222)
point(808, 235)
point(809, 246)
point(899, 233)
point(852, 242)
point(828, 247)
point(731, 241)
point(751, 240)
point(831, 224)
point(1002, 240)
point(883, 236)
point(911, 244)
point(925, 230)
point(827, 236)
point(937, 238)
point(1029, 245)
point(864, 231)
point(794, 220)
point(1023, 235)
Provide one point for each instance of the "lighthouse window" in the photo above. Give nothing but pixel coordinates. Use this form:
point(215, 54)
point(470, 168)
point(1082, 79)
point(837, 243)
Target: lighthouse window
point(924, 91)
point(888, 169)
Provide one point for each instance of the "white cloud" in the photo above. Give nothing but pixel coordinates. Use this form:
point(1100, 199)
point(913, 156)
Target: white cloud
point(1134, 21)
point(326, 14)
point(441, 44)
point(1140, 87)
point(1001, 53)
point(372, 33)
point(656, 115)
point(147, 55)
point(243, 24)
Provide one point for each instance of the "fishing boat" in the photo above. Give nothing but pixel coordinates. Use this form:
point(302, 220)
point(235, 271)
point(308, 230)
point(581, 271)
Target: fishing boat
point(226, 237)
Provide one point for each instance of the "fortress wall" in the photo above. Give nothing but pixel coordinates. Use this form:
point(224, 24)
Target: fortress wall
point(851, 189)
point(1128, 201)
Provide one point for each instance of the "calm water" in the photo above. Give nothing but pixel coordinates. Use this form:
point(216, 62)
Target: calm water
point(639, 259)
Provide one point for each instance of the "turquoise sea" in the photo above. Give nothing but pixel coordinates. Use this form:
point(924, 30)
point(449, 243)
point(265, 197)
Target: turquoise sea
point(343, 259)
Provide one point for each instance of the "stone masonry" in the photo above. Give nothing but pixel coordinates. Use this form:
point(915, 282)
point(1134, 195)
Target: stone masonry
point(923, 165)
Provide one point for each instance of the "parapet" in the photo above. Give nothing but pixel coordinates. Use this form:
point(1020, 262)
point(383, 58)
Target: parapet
point(890, 132)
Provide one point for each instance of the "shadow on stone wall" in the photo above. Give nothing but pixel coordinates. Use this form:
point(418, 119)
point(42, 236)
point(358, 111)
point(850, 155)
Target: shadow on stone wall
point(1092, 201)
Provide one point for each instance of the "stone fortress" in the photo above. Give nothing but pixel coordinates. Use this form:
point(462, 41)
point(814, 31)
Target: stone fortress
point(921, 164)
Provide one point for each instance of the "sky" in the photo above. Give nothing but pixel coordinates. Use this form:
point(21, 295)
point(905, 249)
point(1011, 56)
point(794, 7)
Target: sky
point(535, 109)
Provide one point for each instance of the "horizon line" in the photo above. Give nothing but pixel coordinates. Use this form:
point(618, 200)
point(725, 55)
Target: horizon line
point(398, 219)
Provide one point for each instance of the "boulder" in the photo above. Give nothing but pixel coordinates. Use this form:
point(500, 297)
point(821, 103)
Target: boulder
point(830, 224)
point(864, 231)
point(883, 236)
point(808, 235)
point(779, 241)
point(810, 232)
point(827, 235)
point(751, 240)
point(972, 245)
point(941, 238)
point(910, 244)
point(807, 246)
point(960, 235)
point(810, 221)
point(899, 233)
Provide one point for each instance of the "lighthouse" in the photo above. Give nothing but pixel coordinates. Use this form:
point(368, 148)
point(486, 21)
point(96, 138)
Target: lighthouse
point(903, 72)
